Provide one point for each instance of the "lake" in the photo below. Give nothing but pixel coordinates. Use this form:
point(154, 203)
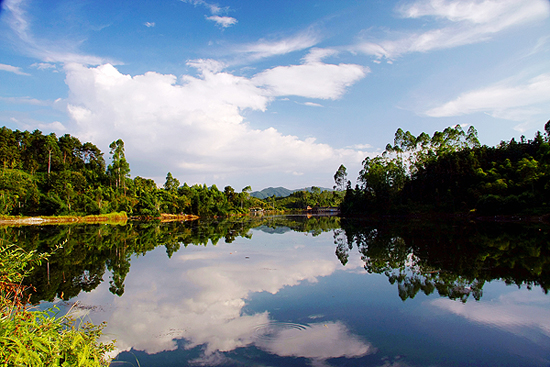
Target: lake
point(299, 291)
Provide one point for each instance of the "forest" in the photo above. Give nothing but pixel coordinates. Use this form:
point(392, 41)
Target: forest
point(45, 175)
point(451, 172)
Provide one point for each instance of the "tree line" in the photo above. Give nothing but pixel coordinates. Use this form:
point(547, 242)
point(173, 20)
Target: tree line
point(452, 172)
point(46, 175)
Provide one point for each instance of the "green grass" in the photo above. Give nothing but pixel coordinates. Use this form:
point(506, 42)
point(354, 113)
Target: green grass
point(40, 338)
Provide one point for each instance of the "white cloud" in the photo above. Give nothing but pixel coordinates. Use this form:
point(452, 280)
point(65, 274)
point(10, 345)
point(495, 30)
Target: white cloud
point(312, 104)
point(318, 54)
point(471, 22)
point(43, 66)
point(313, 80)
point(194, 128)
point(501, 13)
point(46, 50)
point(512, 312)
point(13, 69)
point(24, 122)
point(26, 100)
point(318, 342)
point(214, 8)
point(504, 100)
point(361, 146)
point(149, 24)
point(263, 48)
point(223, 22)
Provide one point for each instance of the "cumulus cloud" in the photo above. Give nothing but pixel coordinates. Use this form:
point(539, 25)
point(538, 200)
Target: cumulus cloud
point(194, 126)
point(149, 24)
point(503, 100)
point(312, 79)
point(223, 22)
point(471, 22)
point(13, 69)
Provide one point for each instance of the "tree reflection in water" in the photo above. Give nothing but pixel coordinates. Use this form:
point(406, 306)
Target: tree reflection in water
point(81, 254)
point(453, 258)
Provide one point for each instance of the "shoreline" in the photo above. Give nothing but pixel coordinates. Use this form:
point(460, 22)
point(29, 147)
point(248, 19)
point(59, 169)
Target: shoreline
point(472, 217)
point(90, 219)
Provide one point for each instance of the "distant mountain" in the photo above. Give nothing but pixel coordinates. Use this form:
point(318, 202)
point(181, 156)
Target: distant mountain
point(279, 192)
point(270, 191)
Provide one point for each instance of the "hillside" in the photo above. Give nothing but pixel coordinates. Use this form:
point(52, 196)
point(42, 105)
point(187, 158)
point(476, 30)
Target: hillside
point(279, 192)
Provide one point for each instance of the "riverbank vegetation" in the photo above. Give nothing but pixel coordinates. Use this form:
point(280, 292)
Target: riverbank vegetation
point(40, 338)
point(305, 199)
point(450, 172)
point(43, 175)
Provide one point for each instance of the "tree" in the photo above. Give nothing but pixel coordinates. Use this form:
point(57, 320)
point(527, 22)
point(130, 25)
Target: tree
point(171, 183)
point(119, 169)
point(71, 148)
point(50, 145)
point(340, 178)
point(246, 193)
point(382, 179)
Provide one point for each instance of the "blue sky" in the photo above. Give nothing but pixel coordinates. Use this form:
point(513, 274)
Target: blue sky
point(271, 93)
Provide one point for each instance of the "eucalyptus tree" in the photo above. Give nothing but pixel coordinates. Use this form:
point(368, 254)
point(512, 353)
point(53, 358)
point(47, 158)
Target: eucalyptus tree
point(340, 178)
point(119, 169)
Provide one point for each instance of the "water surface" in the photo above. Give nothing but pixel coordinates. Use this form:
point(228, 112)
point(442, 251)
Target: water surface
point(305, 292)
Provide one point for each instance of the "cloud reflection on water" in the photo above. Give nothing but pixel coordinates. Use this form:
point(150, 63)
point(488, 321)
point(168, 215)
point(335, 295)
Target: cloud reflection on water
point(199, 296)
point(514, 312)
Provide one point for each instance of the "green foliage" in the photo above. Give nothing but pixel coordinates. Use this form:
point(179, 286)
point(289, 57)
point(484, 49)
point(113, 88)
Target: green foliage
point(451, 172)
point(302, 199)
point(45, 175)
point(40, 338)
point(119, 169)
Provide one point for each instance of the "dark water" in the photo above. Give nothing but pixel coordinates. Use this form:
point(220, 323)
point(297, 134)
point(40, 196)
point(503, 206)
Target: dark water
point(292, 291)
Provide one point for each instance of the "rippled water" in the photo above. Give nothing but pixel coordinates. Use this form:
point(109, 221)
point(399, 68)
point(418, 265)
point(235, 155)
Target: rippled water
point(282, 297)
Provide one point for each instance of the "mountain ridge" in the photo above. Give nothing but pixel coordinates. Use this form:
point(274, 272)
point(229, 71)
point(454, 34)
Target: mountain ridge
point(280, 192)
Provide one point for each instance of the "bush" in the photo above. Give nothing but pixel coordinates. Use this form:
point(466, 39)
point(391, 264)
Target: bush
point(40, 338)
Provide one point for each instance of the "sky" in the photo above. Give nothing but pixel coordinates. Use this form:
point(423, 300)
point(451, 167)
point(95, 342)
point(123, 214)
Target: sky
point(271, 93)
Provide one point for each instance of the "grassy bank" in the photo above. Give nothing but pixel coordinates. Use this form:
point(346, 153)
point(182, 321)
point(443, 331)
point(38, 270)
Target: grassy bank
point(112, 218)
point(39, 338)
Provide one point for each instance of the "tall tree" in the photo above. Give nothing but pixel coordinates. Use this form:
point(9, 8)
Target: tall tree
point(171, 183)
point(119, 169)
point(340, 178)
point(50, 145)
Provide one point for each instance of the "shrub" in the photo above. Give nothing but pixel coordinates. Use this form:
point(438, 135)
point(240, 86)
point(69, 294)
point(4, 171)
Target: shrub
point(39, 338)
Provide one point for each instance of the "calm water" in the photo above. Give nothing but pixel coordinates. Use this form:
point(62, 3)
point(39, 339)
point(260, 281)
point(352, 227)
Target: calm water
point(305, 292)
